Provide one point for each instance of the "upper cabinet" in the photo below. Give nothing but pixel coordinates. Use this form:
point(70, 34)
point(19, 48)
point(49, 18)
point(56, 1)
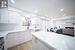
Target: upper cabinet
point(3, 15)
point(9, 16)
point(14, 17)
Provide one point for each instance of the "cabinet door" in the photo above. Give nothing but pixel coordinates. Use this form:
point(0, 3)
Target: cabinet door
point(4, 15)
point(14, 17)
point(15, 38)
point(7, 16)
point(28, 35)
point(5, 44)
point(39, 45)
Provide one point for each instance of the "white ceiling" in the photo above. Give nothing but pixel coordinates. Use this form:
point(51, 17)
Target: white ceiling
point(49, 8)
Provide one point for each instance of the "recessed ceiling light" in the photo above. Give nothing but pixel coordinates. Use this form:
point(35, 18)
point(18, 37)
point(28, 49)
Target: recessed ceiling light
point(3, 4)
point(12, 1)
point(61, 9)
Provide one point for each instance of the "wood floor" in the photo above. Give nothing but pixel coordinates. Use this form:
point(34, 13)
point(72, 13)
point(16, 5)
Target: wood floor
point(24, 46)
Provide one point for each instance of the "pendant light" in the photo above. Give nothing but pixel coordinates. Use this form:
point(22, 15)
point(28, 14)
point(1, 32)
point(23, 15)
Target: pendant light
point(4, 4)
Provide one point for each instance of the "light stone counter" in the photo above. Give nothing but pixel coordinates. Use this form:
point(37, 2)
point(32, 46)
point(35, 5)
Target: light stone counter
point(58, 41)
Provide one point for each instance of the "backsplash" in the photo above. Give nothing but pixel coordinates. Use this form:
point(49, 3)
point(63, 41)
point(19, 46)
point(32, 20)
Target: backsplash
point(8, 27)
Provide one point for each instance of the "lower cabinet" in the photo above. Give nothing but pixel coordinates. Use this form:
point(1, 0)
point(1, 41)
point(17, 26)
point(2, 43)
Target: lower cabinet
point(17, 38)
point(39, 45)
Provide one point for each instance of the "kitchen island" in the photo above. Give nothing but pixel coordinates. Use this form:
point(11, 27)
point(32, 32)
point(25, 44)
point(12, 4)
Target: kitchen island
point(51, 41)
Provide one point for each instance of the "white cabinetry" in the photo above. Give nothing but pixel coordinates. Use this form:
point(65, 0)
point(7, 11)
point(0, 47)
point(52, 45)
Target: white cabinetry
point(16, 38)
point(39, 45)
point(3, 15)
point(9, 20)
point(7, 16)
point(5, 45)
point(14, 17)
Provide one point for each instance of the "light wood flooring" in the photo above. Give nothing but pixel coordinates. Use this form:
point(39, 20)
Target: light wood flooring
point(24, 46)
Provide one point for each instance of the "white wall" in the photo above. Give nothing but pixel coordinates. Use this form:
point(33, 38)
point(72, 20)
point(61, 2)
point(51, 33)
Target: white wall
point(62, 22)
point(52, 22)
point(65, 23)
point(36, 22)
point(39, 23)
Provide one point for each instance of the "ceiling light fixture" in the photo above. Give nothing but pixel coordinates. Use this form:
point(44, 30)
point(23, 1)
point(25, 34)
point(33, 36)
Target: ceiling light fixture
point(61, 9)
point(12, 1)
point(3, 4)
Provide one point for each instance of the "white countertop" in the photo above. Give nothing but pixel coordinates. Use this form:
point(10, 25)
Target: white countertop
point(58, 41)
point(4, 33)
